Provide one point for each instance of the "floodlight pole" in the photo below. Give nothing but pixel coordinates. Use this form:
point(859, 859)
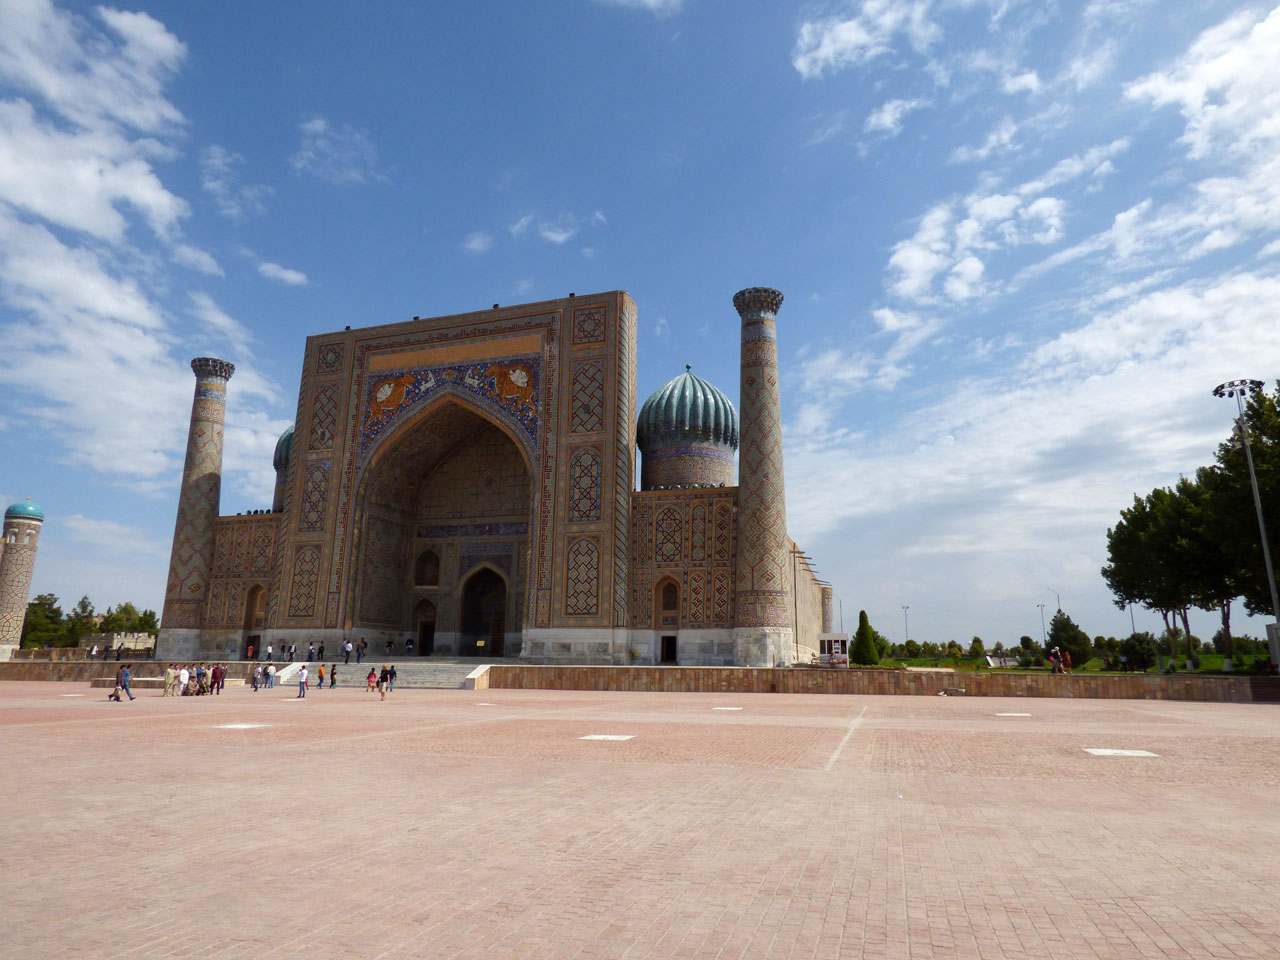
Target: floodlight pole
point(1239, 389)
point(1044, 637)
point(1056, 595)
point(906, 633)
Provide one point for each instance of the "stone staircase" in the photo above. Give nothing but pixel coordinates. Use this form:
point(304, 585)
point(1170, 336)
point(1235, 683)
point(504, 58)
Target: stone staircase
point(426, 673)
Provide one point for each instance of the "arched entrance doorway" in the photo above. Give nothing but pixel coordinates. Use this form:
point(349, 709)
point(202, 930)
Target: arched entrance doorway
point(425, 617)
point(448, 495)
point(255, 615)
point(484, 615)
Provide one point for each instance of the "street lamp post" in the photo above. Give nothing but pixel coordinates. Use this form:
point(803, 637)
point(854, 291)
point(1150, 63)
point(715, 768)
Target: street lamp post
point(906, 634)
point(1240, 389)
point(1056, 595)
point(1044, 637)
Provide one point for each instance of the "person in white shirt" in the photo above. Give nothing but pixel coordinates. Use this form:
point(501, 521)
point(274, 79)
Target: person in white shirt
point(302, 683)
point(271, 676)
point(184, 677)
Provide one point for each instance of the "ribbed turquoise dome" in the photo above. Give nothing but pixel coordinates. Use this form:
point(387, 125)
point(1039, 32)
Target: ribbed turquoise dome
point(687, 408)
point(284, 448)
point(24, 509)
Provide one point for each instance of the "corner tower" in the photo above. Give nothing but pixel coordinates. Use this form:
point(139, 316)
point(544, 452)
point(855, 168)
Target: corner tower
point(191, 562)
point(763, 625)
point(22, 523)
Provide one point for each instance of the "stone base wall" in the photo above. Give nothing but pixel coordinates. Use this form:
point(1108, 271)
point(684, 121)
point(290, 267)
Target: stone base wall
point(866, 682)
point(86, 671)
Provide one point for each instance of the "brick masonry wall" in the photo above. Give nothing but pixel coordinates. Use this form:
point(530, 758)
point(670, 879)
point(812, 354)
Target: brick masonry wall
point(765, 680)
point(83, 671)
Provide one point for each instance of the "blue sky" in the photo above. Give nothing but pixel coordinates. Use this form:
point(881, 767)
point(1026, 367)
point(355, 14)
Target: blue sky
point(1019, 242)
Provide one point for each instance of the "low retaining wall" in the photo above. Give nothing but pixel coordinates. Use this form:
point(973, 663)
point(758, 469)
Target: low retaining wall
point(873, 682)
point(85, 671)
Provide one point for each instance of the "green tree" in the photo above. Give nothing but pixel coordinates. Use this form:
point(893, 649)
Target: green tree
point(148, 622)
point(976, 648)
point(912, 649)
point(1065, 635)
point(1139, 649)
point(81, 620)
point(865, 653)
point(44, 623)
point(954, 650)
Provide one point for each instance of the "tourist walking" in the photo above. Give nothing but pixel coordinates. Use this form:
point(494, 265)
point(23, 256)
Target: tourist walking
point(93, 652)
point(271, 676)
point(360, 650)
point(302, 683)
point(391, 679)
point(184, 677)
point(257, 676)
point(293, 651)
point(170, 680)
point(320, 678)
point(320, 652)
point(346, 651)
point(125, 678)
point(248, 654)
point(268, 653)
point(333, 675)
point(384, 679)
point(1066, 661)
point(311, 652)
point(371, 680)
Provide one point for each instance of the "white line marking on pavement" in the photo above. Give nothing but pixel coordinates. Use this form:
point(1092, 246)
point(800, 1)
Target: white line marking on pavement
point(1013, 714)
point(1107, 752)
point(483, 704)
point(607, 736)
point(726, 708)
point(71, 694)
point(853, 725)
point(237, 726)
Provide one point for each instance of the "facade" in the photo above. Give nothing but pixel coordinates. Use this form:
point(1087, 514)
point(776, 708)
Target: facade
point(21, 537)
point(466, 485)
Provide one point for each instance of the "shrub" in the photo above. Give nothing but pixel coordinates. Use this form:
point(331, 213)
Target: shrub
point(865, 652)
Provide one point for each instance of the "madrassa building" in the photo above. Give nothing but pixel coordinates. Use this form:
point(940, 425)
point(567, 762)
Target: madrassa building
point(465, 486)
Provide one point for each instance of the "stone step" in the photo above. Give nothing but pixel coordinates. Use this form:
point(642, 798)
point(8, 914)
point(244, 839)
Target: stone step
point(423, 674)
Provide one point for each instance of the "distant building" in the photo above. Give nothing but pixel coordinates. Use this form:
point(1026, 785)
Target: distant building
point(466, 484)
point(21, 536)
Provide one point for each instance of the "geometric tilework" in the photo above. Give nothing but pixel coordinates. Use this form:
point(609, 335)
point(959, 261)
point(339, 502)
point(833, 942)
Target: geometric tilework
point(329, 357)
point(695, 597)
point(667, 538)
point(315, 492)
point(324, 412)
point(306, 580)
point(723, 549)
point(582, 578)
point(588, 324)
point(721, 595)
point(584, 485)
point(587, 400)
point(698, 534)
point(17, 563)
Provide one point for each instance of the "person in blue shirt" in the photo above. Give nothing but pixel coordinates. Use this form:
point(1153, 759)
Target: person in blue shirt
point(125, 678)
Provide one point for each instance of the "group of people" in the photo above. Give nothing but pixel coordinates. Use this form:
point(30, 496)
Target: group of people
point(1059, 660)
point(383, 683)
point(194, 679)
point(287, 653)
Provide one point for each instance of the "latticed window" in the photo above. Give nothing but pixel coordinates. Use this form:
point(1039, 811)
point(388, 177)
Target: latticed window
point(670, 596)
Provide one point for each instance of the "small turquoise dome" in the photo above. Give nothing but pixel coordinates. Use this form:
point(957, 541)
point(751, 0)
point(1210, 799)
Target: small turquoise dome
point(284, 449)
point(687, 409)
point(25, 509)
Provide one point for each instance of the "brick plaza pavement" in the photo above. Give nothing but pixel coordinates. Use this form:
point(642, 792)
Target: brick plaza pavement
point(479, 825)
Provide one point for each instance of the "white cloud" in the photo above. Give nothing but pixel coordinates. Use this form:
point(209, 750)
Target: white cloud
point(834, 44)
point(659, 7)
point(589, 252)
point(197, 259)
point(1028, 82)
point(662, 329)
point(220, 179)
point(887, 118)
point(273, 271)
point(478, 242)
point(337, 153)
point(214, 319)
point(520, 226)
point(828, 127)
point(597, 218)
point(998, 139)
point(109, 536)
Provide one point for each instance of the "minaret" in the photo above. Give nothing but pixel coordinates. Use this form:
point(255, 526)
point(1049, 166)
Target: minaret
point(828, 610)
point(191, 562)
point(22, 523)
point(763, 626)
